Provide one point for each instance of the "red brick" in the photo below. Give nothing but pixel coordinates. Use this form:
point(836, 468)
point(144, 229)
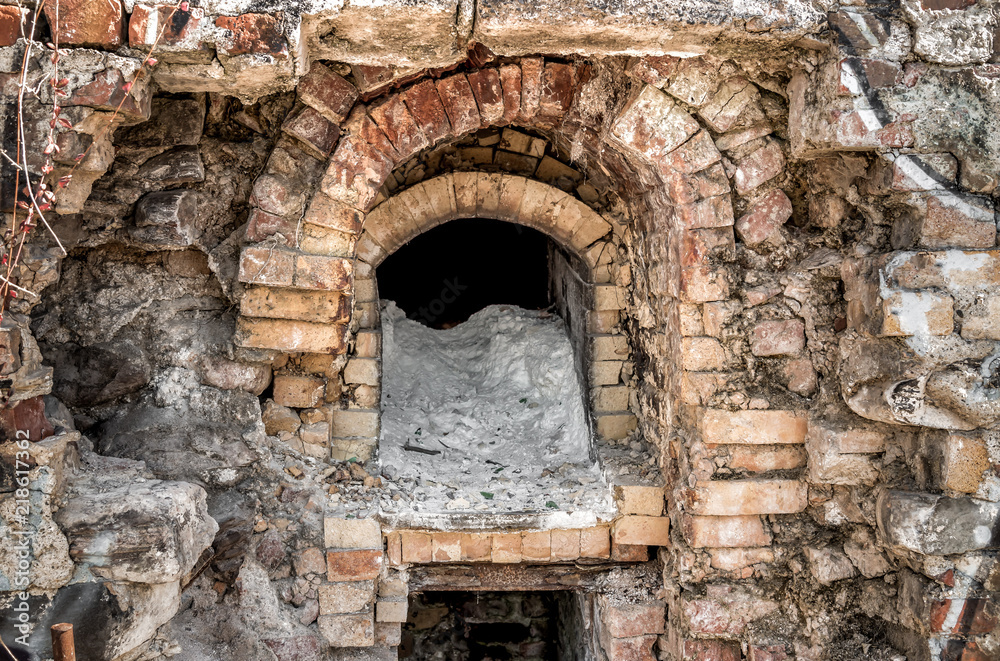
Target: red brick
point(853, 131)
point(396, 122)
point(275, 194)
point(373, 80)
point(724, 531)
point(697, 246)
point(652, 125)
point(10, 350)
point(460, 104)
point(258, 34)
point(628, 620)
point(764, 218)
point(425, 105)
point(360, 125)
point(558, 89)
point(628, 552)
point(12, 19)
point(975, 616)
point(639, 648)
point(327, 92)
point(315, 131)
point(353, 565)
point(266, 266)
point(416, 547)
point(322, 272)
point(778, 338)
point(171, 24)
point(262, 225)
point(712, 650)
point(510, 82)
point(485, 84)
point(715, 211)
point(106, 92)
point(769, 653)
point(694, 155)
point(328, 212)
point(655, 70)
point(27, 417)
point(93, 23)
point(531, 87)
point(953, 221)
point(759, 167)
point(356, 172)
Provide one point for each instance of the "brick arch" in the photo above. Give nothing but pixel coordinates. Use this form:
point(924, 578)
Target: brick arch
point(306, 253)
point(576, 227)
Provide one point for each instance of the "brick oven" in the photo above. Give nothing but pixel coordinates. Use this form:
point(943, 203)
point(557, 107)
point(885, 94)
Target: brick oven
point(766, 235)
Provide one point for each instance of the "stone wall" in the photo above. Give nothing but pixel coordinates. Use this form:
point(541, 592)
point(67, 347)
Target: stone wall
point(781, 220)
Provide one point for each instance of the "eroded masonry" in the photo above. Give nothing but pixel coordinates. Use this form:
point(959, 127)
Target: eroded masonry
point(454, 329)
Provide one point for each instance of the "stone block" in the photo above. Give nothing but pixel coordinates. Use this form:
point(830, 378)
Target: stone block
point(352, 533)
point(736, 559)
point(741, 497)
point(753, 427)
point(353, 449)
point(695, 155)
point(983, 321)
point(354, 565)
point(355, 630)
point(298, 391)
point(727, 104)
point(714, 211)
point(932, 524)
point(166, 219)
point(641, 530)
point(947, 220)
point(388, 634)
point(347, 597)
point(829, 565)
point(328, 93)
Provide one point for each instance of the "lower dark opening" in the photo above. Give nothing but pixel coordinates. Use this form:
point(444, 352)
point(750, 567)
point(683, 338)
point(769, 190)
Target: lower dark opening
point(494, 626)
point(446, 274)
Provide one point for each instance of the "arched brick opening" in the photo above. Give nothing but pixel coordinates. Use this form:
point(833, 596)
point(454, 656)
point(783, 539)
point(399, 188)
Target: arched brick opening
point(568, 221)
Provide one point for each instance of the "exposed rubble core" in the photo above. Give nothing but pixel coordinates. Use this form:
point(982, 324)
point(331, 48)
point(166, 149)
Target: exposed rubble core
point(773, 272)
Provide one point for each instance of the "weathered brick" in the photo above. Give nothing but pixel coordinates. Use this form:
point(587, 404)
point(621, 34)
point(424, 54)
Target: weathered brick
point(347, 597)
point(325, 211)
point(354, 565)
point(653, 70)
point(704, 283)
point(610, 398)
point(446, 547)
point(531, 87)
point(628, 620)
point(565, 545)
point(506, 547)
point(946, 220)
point(711, 650)
point(629, 552)
point(391, 611)
point(652, 125)
point(330, 94)
point(536, 546)
point(477, 547)
point(739, 497)
point(388, 634)
point(724, 531)
point(736, 559)
point(322, 272)
point(595, 542)
point(289, 335)
point(315, 306)
point(298, 391)
point(716, 211)
point(759, 167)
point(352, 533)
point(558, 89)
point(702, 354)
point(615, 426)
point(355, 630)
point(638, 648)
point(318, 134)
point(510, 83)
point(764, 218)
point(355, 422)
point(983, 321)
point(730, 100)
point(392, 116)
point(753, 427)
point(908, 313)
point(362, 371)
point(265, 266)
point(759, 459)
point(13, 20)
point(778, 338)
point(966, 460)
point(486, 89)
point(355, 173)
point(699, 246)
point(261, 225)
point(425, 105)
point(168, 25)
point(605, 372)
point(641, 530)
point(460, 104)
point(695, 155)
point(724, 614)
point(91, 23)
point(258, 34)
point(416, 547)
point(647, 501)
